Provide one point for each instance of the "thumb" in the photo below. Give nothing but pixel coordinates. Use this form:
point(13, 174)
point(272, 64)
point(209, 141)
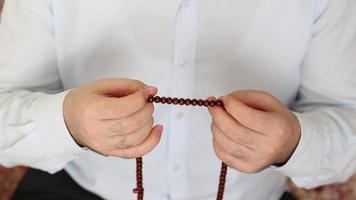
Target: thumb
point(246, 115)
point(258, 100)
point(120, 87)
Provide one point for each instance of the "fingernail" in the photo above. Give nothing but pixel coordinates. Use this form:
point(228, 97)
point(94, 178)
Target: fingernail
point(149, 87)
point(151, 90)
point(223, 98)
point(159, 128)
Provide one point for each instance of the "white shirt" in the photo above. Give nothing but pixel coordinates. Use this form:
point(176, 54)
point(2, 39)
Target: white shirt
point(301, 51)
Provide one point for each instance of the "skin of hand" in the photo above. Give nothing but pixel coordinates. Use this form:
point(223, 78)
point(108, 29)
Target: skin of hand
point(112, 117)
point(253, 131)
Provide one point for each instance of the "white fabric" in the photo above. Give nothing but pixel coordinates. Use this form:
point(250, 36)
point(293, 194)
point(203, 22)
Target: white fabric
point(191, 48)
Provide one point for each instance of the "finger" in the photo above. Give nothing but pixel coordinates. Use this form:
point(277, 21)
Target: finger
point(228, 145)
point(232, 128)
point(238, 164)
point(225, 157)
point(145, 147)
point(126, 141)
point(259, 100)
point(118, 108)
point(251, 118)
point(131, 123)
point(117, 87)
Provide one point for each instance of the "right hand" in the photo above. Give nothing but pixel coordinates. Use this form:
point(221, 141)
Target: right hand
point(112, 117)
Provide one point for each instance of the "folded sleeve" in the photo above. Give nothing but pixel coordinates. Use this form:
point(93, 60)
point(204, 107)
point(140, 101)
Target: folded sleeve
point(326, 104)
point(32, 128)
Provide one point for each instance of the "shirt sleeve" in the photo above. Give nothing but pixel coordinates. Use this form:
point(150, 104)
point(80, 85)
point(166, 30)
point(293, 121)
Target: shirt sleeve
point(32, 128)
point(326, 104)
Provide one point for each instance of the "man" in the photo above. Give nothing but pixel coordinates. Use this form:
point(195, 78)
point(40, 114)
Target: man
point(264, 58)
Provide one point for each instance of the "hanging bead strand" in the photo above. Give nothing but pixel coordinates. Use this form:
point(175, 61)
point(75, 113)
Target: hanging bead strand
point(139, 179)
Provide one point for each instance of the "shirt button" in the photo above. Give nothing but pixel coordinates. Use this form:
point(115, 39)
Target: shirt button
point(182, 63)
point(176, 167)
point(179, 115)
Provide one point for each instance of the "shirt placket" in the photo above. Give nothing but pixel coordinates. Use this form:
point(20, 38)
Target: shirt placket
point(182, 86)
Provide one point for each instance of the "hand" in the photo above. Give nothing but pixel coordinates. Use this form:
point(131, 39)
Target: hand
point(112, 117)
point(254, 131)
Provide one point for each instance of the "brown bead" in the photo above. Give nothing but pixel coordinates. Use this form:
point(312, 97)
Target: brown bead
point(163, 100)
point(150, 99)
point(219, 103)
point(188, 102)
point(175, 101)
point(206, 103)
point(200, 102)
point(139, 176)
point(222, 181)
point(157, 99)
point(169, 100)
point(181, 101)
point(194, 102)
point(212, 103)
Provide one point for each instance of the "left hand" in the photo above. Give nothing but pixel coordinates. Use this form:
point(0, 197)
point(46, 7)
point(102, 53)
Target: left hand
point(254, 131)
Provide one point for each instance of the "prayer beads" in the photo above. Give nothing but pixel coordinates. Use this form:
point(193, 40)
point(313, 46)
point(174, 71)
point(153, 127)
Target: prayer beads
point(139, 190)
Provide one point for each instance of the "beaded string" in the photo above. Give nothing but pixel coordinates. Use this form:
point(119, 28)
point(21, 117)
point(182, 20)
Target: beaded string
point(139, 190)
point(139, 179)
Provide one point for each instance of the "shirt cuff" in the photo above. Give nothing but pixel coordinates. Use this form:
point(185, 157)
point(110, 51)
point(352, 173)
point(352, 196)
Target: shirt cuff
point(58, 143)
point(313, 143)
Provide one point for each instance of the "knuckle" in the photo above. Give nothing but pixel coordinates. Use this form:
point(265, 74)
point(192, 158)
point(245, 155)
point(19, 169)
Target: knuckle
point(235, 150)
point(118, 127)
point(122, 142)
point(133, 125)
point(213, 128)
point(150, 109)
point(238, 153)
point(270, 150)
point(280, 130)
point(227, 128)
point(247, 139)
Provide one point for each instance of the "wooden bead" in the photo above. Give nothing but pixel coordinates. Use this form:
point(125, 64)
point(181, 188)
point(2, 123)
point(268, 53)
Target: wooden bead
point(150, 99)
point(206, 103)
point(163, 100)
point(181, 101)
point(175, 101)
point(219, 103)
point(188, 102)
point(157, 99)
point(200, 102)
point(212, 103)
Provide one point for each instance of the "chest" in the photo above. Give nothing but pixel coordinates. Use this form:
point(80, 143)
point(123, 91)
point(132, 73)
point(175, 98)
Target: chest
point(233, 42)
